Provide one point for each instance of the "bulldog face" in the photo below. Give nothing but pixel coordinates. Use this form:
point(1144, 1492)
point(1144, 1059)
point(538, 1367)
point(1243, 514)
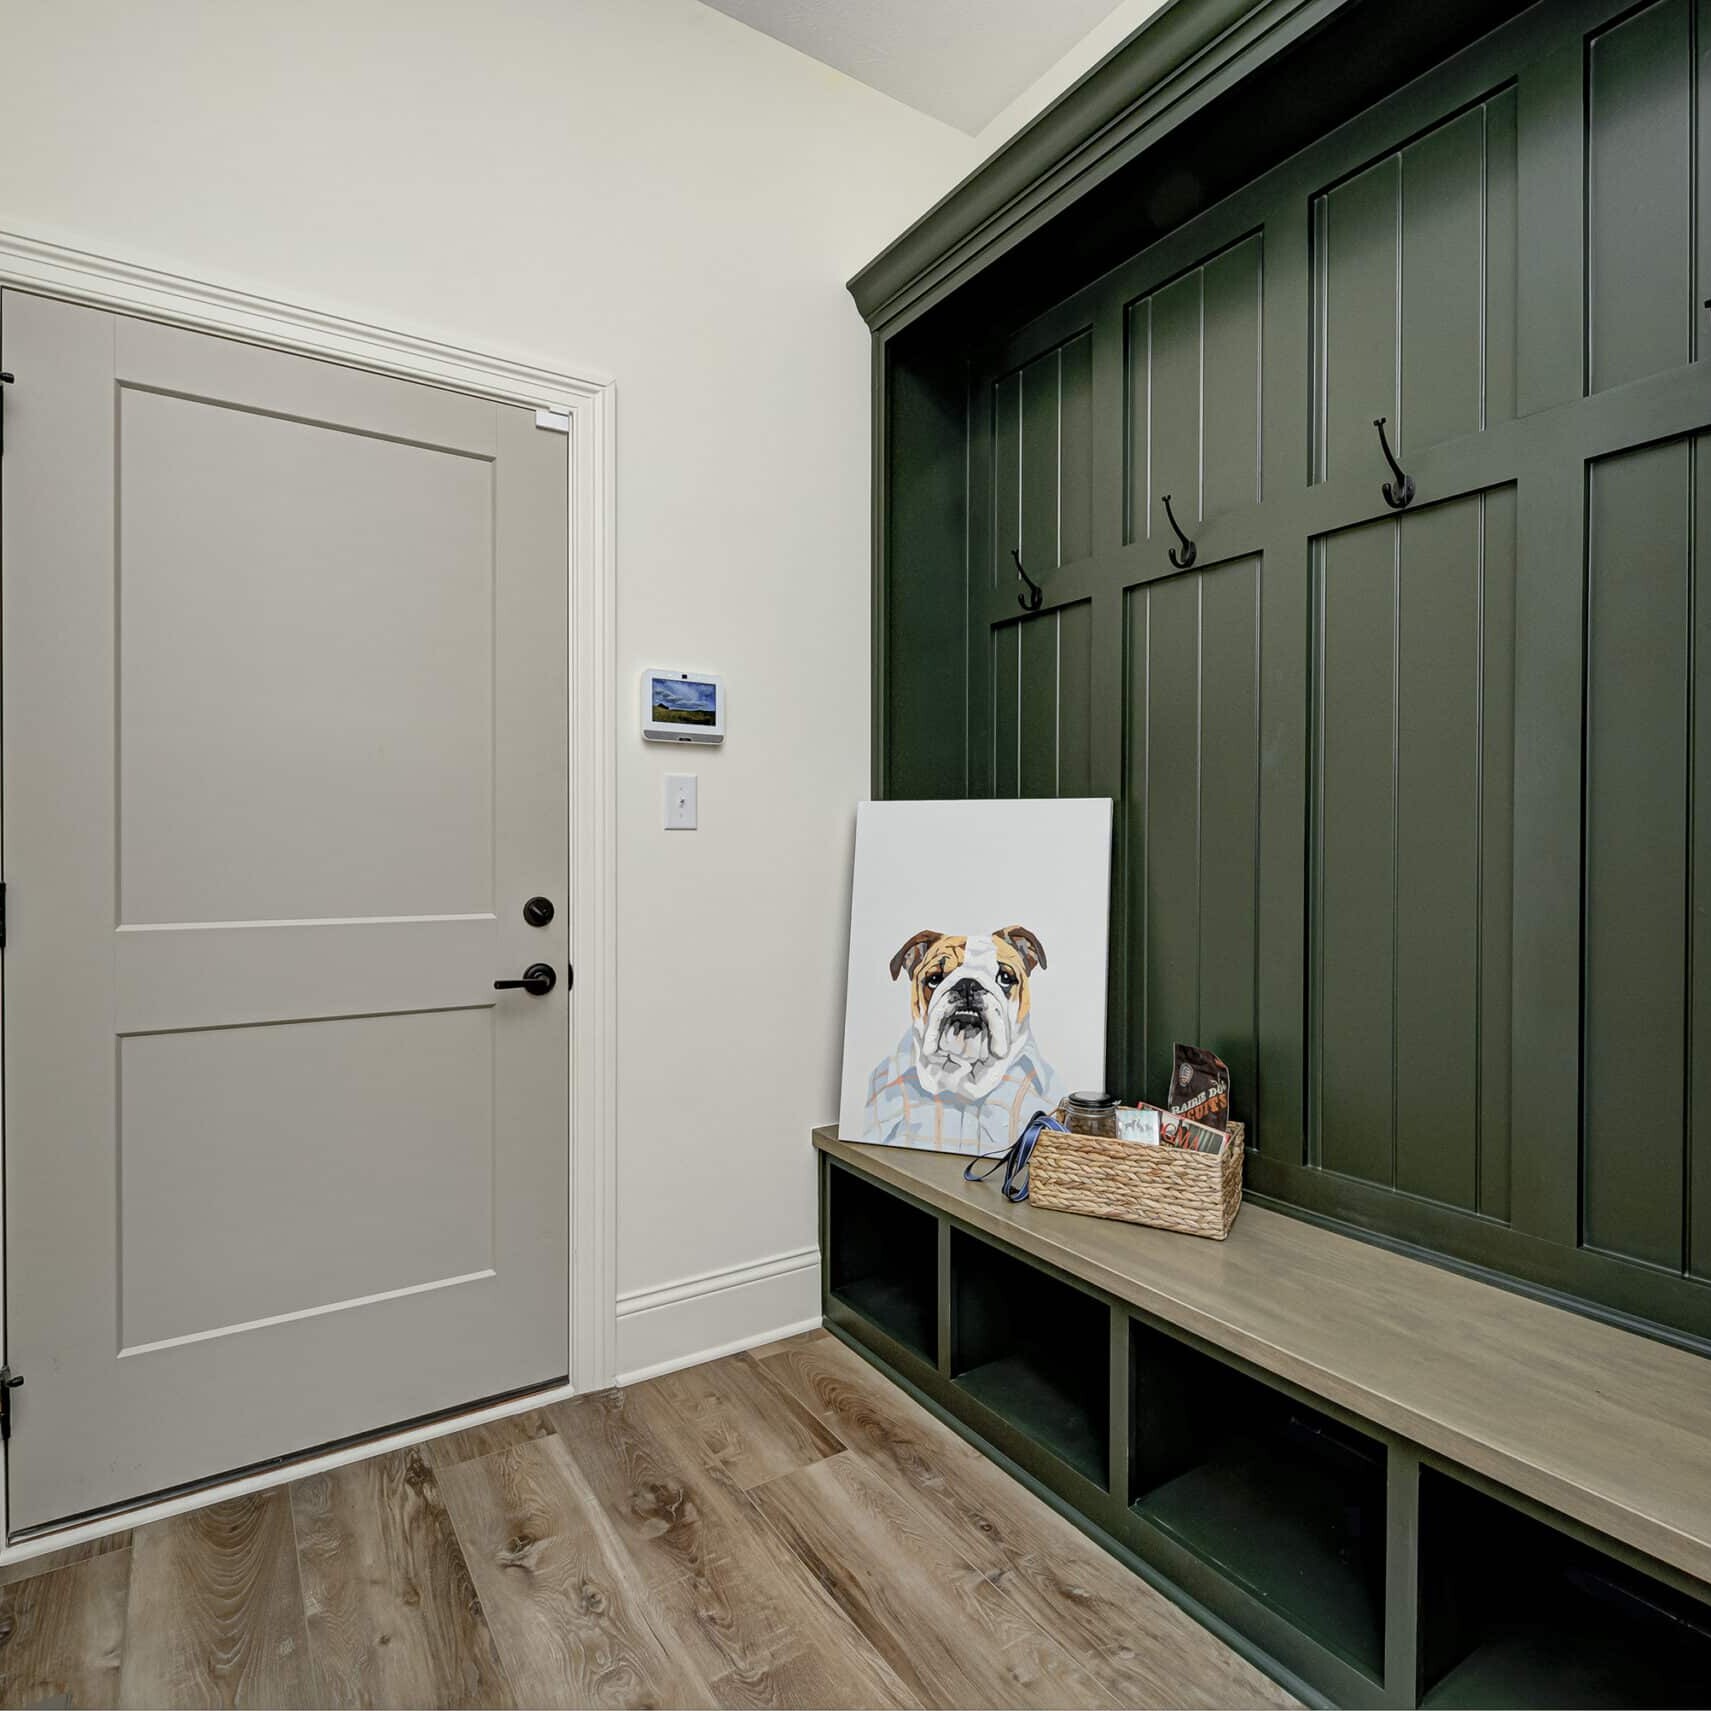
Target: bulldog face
point(969, 1000)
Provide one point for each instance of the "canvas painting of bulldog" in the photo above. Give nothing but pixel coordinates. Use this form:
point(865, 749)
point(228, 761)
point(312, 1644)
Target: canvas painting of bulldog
point(958, 1029)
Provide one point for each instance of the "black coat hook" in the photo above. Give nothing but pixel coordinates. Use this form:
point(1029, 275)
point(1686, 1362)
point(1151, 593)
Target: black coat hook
point(1189, 552)
point(1031, 601)
point(1398, 495)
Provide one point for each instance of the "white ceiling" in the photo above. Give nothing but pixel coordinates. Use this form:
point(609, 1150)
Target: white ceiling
point(962, 61)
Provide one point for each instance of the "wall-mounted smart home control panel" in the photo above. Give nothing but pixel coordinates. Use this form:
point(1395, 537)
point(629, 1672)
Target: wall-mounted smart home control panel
point(682, 706)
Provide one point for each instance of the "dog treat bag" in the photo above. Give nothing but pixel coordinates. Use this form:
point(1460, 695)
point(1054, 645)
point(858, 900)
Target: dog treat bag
point(1199, 1087)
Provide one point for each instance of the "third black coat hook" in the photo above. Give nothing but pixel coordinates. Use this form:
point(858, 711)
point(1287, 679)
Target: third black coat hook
point(1399, 493)
point(1029, 602)
point(1189, 552)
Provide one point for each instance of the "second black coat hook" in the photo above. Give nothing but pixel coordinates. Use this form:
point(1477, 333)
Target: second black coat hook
point(1031, 601)
point(1189, 552)
point(1398, 494)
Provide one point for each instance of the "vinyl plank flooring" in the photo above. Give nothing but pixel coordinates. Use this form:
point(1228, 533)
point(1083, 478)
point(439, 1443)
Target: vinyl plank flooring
point(392, 1612)
point(1131, 1639)
point(741, 1423)
point(777, 1529)
point(721, 1583)
point(566, 1605)
point(484, 1440)
point(48, 1561)
point(62, 1633)
point(952, 1635)
point(215, 1615)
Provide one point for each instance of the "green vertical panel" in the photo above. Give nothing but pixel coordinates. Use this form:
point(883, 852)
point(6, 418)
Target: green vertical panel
point(1501, 260)
point(1286, 651)
point(1497, 845)
point(1702, 183)
point(1358, 261)
point(1229, 819)
point(1006, 477)
point(1132, 892)
point(1443, 247)
point(1355, 888)
point(1639, 134)
point(1636, 837)
point(923, 729)
point(1437, 853)
point(1173, 825)
point(1037, 736)
point(1039, 465)
point(1006, 694)
point(1699, 946)
point(1176, 402)
point(1232, 377)
point(1075, 503)
point(978, 408)
point(1550, 211)
point(1137, 402)
point(1075, 700)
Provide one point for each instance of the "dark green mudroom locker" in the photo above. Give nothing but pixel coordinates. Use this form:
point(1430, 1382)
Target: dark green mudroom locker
point(1414, 803)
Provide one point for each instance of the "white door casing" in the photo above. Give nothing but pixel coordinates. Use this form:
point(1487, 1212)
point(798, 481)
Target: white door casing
point(170, 964)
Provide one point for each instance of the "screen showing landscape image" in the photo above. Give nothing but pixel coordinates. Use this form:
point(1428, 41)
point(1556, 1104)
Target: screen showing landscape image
point(682, 701)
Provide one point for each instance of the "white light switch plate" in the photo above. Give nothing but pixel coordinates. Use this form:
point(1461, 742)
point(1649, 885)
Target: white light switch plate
point(680, 801)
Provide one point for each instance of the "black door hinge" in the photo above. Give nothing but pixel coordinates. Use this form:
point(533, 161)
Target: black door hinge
point(5, 380)
point(9, 1381)
point(2, 914)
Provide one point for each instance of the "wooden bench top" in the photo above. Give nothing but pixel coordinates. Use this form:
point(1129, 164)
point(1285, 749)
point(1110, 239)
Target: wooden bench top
point(1598, 1423)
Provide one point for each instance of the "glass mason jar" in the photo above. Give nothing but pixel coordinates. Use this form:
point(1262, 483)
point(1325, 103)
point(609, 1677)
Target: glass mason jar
point(1091, 1114)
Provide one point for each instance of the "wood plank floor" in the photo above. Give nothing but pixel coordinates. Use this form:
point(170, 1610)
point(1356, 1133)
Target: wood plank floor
point(781, 1528)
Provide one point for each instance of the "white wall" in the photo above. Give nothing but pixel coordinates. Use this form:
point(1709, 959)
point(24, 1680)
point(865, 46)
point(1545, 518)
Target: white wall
point(648, 188)
point(1110, 32)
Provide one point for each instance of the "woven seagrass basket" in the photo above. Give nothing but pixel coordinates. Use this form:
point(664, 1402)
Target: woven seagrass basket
point(1171, 1188)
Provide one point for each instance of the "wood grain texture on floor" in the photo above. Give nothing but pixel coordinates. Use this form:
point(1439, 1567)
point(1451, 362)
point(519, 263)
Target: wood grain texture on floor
point(776, 1529)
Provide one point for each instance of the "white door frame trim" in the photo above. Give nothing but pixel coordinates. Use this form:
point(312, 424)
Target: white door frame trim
point(588, 396)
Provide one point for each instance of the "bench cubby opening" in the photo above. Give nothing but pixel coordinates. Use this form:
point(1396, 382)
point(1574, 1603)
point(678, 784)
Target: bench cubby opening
point(883, 1257)
point(1280, 1497)
point(1034, 1350)
point(1514, 1612)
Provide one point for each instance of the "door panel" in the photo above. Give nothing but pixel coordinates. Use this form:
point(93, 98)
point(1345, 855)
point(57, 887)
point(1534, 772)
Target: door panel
point(285, 752)
point(1190, 821)
point(1639, 221)
point(283, 1217)
point(354, 595)
point(1193, 367)
point(1411, 896)
point(1041, 703)
point(1643, 679)
point(1042, 462)
point(1414, 279)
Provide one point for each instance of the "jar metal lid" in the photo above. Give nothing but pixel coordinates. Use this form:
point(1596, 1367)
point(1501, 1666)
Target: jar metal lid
point(1093, 1101)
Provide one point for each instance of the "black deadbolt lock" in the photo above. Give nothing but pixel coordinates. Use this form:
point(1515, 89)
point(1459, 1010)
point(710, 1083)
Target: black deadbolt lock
point(538, 911)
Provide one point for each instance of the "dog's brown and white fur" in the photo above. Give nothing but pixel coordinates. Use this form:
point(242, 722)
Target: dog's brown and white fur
point(969, 1003)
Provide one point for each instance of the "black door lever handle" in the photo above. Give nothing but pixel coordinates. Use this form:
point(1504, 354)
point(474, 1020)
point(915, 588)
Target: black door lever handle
point(538, 980)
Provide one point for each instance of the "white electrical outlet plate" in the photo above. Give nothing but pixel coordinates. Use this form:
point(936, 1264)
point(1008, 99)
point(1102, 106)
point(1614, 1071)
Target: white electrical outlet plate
point(680, 803)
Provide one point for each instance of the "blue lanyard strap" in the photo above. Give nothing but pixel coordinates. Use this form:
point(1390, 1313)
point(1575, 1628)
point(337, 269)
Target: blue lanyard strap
point(1014, 1159)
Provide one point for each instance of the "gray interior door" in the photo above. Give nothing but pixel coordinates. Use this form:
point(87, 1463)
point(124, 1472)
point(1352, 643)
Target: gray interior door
point(285, 753)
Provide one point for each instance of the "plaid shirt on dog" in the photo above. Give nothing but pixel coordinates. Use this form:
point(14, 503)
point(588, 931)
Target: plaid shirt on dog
point(902, 1113)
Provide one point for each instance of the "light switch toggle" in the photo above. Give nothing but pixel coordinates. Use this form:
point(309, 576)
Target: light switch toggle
point(680, 801)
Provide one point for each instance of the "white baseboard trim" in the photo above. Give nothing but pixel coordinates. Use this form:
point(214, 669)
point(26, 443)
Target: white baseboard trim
point(700, 1318)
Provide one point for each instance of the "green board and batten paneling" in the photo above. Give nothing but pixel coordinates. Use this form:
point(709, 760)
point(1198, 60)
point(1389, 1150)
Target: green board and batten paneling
point(1414, 808)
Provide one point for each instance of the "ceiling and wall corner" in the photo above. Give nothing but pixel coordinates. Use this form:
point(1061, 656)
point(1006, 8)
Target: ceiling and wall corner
point(962, 61)
point(1110, 32)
